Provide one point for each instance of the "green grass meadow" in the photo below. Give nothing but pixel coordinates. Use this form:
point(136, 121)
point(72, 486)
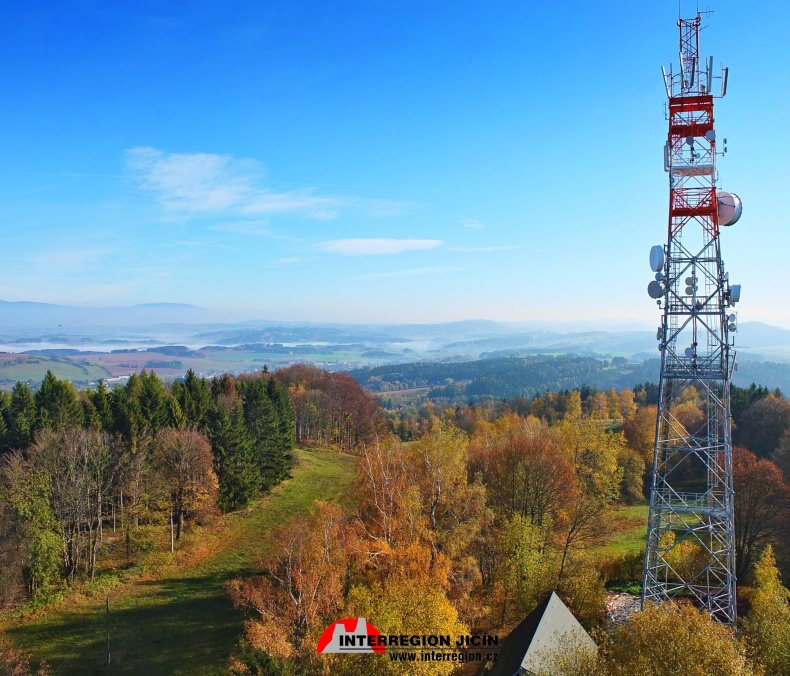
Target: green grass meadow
point(176, 618)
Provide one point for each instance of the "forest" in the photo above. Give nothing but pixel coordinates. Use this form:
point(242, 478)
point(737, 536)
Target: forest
point(459, 520)
point(507, 377)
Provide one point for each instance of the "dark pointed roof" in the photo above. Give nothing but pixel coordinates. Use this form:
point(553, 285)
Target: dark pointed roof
point(541, 630)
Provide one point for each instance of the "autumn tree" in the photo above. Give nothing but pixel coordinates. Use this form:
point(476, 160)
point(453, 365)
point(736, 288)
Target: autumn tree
point(302, 589)
point(527, 572)
point(380, 488)
point(781, 455)
point(666, 640)
point(403, 606)
point(763, 424)
point(593, 452)
point(768, 623)
point(579, 524)
point(182, 460)
point(525, 473)
point(450, 504)
point(330, 407)
point(761, 505)
point(15, 662)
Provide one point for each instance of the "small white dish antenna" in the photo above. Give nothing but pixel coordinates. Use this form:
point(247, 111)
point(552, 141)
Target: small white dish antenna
point(657, 258)
point(689, 351)
point(731, 319)
point(710, 135)
point(730, 207)
point(732, 327)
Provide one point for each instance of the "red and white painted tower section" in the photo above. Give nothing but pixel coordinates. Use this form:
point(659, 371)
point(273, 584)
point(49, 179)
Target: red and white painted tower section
point(691, 533)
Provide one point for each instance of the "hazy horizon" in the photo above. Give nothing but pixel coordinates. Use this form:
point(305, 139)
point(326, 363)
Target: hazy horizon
point(372, 163)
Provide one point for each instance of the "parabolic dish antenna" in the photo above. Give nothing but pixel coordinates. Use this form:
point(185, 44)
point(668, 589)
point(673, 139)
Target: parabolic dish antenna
point(657, 258)
point(655, 290)
point(730, 207)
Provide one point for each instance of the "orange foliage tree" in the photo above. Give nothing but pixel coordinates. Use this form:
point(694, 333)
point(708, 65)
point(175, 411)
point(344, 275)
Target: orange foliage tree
point(302, 587)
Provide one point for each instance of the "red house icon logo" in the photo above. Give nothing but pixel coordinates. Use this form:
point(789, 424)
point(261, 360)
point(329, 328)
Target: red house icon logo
point(351, 635)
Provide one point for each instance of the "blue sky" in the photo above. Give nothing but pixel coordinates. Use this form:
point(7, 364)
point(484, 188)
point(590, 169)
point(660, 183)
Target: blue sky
point(398, 161)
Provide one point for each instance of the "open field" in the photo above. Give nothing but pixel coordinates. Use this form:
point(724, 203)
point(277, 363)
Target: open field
point(86, 368)
point(626, 530)
point(176, 618)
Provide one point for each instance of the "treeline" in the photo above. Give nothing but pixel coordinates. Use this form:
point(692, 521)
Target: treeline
point(453, 383)
point(508, 376)
point(72, 462)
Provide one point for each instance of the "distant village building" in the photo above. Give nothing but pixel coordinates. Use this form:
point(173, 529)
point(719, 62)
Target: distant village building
point(548, 629)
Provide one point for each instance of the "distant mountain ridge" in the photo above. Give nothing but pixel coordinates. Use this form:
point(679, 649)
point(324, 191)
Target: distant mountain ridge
point(31, 315)
point(179, 323)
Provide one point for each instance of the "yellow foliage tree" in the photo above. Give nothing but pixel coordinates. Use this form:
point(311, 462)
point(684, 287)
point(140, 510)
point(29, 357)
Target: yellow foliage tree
point(668, 640)
point(409, 607)
point(593, 452)
point(768, 623)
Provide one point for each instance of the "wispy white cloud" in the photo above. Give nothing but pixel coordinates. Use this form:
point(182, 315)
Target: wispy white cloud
point(486, 249)
point(377, 246)
point(472, 224)
point(256, 228)
point(202, 183)
point(411, 272)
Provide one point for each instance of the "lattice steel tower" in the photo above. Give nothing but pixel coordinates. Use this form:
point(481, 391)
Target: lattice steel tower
point(691, 538)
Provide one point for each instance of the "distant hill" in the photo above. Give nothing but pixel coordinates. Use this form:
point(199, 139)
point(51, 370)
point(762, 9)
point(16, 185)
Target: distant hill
point(509, 377)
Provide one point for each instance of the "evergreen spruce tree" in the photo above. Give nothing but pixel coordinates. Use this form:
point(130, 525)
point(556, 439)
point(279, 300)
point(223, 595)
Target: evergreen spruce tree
point(100, 397)
point(57, 405)
point(194, 397)
point(5, 405)
point(239, 478)
point(153, 404)
point(262, 422)
point(286, 427)
point(175, 416)
point(21, 417)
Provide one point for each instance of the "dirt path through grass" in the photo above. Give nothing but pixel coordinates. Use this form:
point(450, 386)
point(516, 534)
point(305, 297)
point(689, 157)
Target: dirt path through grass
point(178, 619)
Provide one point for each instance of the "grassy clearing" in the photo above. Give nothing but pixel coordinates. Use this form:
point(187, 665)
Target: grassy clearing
point(626, 529)
point(175, 618)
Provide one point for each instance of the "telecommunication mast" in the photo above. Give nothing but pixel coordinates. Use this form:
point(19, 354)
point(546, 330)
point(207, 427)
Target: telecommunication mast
point(691, 537)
